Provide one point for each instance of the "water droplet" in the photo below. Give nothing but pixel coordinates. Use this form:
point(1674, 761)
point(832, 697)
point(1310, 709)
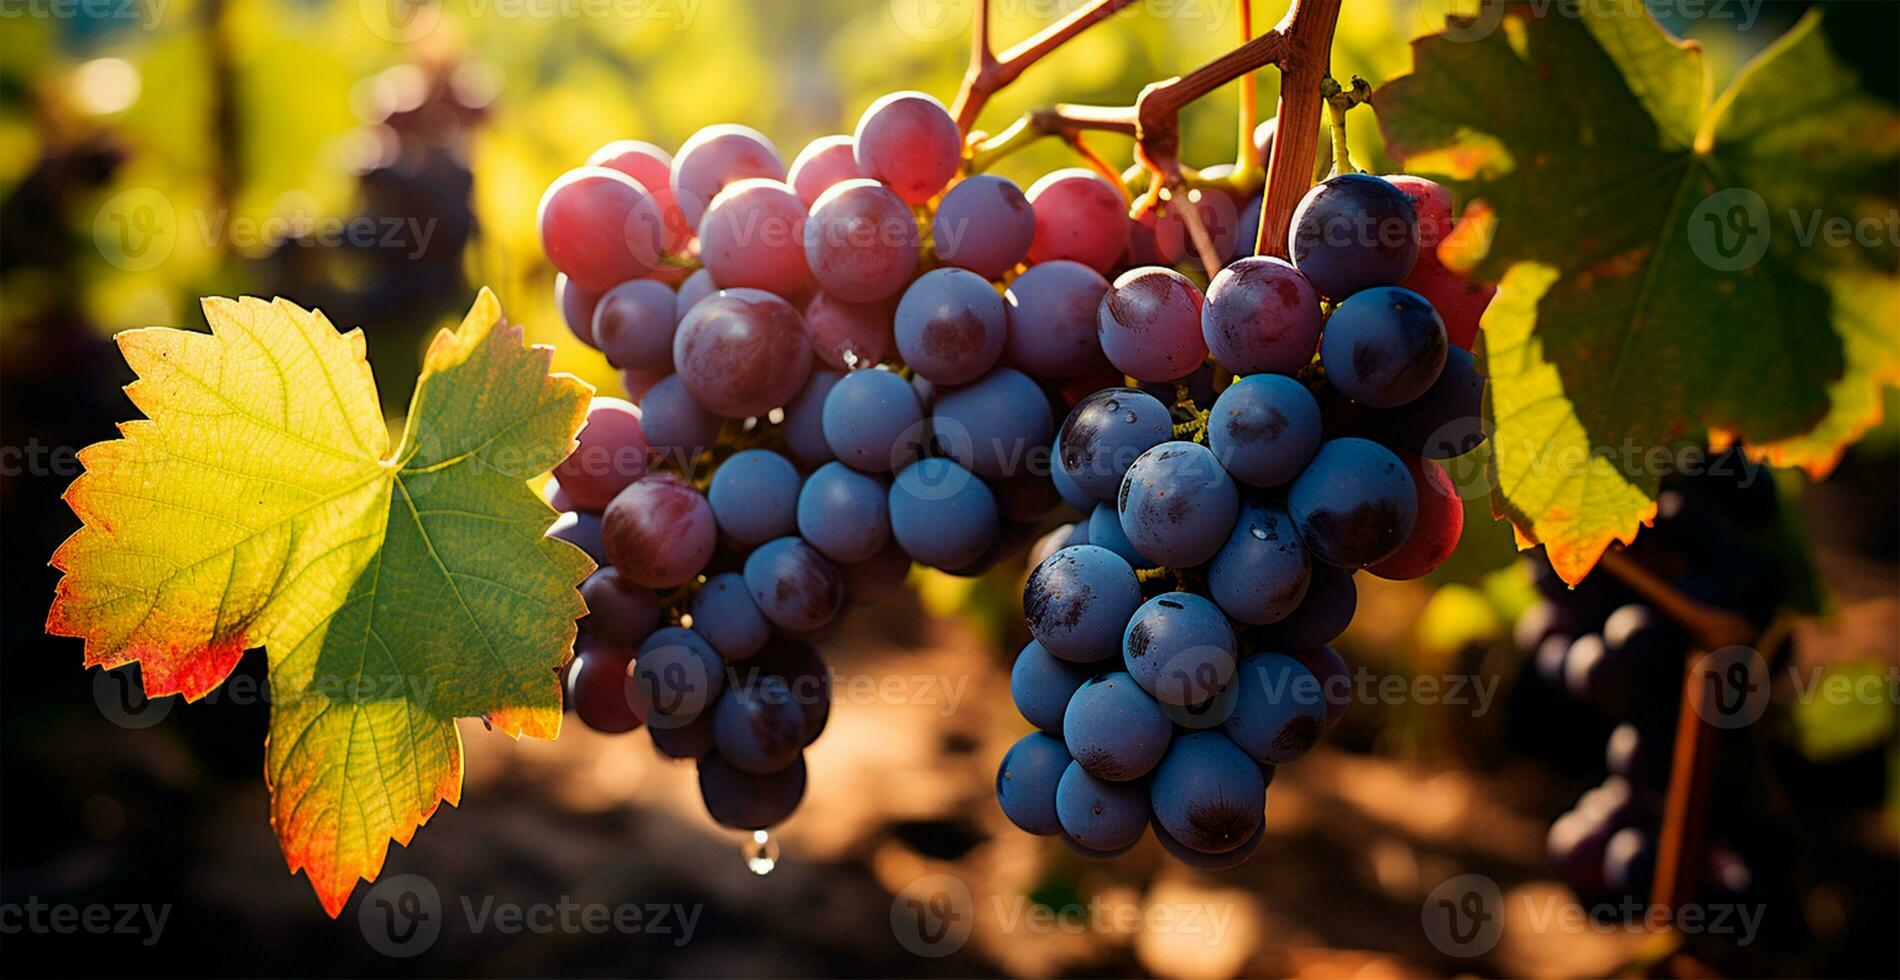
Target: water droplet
point(1113, 405)
point(1131, 418)
point(1259, 533)
point(761, 853)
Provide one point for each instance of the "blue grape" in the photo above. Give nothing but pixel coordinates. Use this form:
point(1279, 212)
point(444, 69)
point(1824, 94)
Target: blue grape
point(879, 577)
point(1052, 309)
point(1099, 814)
point(1114, 729)
point(1065, 484)
point(688, 739)
point(697, 286)
point(1264, 429)
point(794, 586)
point(805, 676)
point(983, 224)
point(1091, 854)
point(1355, 504)
point(1335, 678)
point(754, 496)
point(942, 514)
point(679, 672)
point(1207, 794)
point(1026, 783)
point(1149, 324)
point(583, 531)
point(1325, 612)
point(759, 727)
point(633, 325)
point(1280, 711)
point(1261, 574)
point(1105, 433)
point(617, 609)
point(951, 326)
point(993, 425)
point(1353, 232)
point(1224, 861)
point(1178, 504)
point(844, 513)
point(1105, 530)
point(1179, 648)
point(724, 613)
point(873, 422)
point(1078, 600)
point(749, 801)
point(804, 425)
point(1042, 683)
point(1383, 347)
point(1446, 421)
point(1261, 315)
point(675, 424)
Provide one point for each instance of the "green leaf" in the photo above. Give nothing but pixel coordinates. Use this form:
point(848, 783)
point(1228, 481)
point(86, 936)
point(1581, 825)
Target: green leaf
point(1663, 280)
point(394, 592)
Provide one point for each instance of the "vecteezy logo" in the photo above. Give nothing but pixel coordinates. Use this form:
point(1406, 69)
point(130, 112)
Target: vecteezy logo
point(1728, 231)
point(932, 915)
point(1734, 686)
point(931, 21)
point(400, 21)
point(402, 916)
point(120, 695)
point(1464, 916)
point(136, 229)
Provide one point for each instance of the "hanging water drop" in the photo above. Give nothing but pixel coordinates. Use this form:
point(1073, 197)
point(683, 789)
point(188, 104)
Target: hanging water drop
point(761, 853)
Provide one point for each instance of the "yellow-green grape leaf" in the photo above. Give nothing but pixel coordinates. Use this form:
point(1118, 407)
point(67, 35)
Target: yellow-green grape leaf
point(259, 504)
point(1672, 267)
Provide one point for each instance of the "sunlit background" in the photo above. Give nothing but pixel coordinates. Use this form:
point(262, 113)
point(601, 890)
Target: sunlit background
point(381, 161)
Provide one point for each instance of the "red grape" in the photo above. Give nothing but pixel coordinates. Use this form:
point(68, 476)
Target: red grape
point(1079, 216)
point(754, 235)
point(908, 141)
point(742, 353)
point(601, 227)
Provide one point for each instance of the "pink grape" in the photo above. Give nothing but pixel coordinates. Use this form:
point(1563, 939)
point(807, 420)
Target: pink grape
point(716, 156)
point(908, 141)
point(742, 353)
point(825, 161)
point(753, 235)
point(849, 335)
point(611, 452)
point(1150, 325)
point(653, 168)
point(633, 325)
point(1261, 316)
point(577, 306)
point(659, 531)
point(1079, 216)
point(861, 241)
point(601, 227)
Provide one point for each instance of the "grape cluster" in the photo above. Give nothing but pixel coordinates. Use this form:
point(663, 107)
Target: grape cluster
point(1601, 647)
point(1285, 435)
point(841, 367)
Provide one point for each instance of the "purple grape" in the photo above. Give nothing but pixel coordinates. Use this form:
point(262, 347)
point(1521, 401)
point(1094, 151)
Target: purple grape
point(795, 586)
point(742, 353)
point(861, 242)
point(1353, 232)
point(674, 423)
point(908, 141)
point(633, 325)
point(1261, 316)
point(753, 236)
point(1052, 309)
point(1383, 347)
point(984, 224)
point(1149, 325)
point(716, 156)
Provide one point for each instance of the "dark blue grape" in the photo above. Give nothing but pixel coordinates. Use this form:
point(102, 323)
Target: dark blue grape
point(872, 421)
point(951, 326)
point(754, 495)
point(1105, 433)
point(1280, 712)
point(1353, 232)
point(1383, 347)
point(583, 531)
point(1078, 601)
point(1042, 683)
point(1264, 429)
point(844, 513)
point(750, 801)
point(686, 739)
point(1355, 504)
point(1099, 814)
point(1178, 504)
point(1026, 782)
point(1446, 421)
point(995, 425)
point(1325, 612)
point(1104, 529)
point(679, 672)
point(1114, 729)
point(1179, 648)
point(724, 613)
point(942, 514)
point(758, 726)
point(793, 585)
point(1261, 574)
point(1211, 862)
point(1207, 794)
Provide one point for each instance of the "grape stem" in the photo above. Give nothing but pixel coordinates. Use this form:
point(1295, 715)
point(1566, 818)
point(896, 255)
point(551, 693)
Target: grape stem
point(1338, 100)
point(1300, 45)
point(989, 72)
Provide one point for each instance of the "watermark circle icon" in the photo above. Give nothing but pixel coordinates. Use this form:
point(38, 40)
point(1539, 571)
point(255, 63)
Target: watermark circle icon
point(120, 695)
point(1464, 916)
point(400, 21)
point(933, 915)
point(1734, 684)
point(401, 916)
point(1728, 230)
point(933, 21)
point(136, 229)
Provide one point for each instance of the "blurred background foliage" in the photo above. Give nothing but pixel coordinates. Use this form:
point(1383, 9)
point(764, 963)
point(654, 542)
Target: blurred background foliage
point(171, 150)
